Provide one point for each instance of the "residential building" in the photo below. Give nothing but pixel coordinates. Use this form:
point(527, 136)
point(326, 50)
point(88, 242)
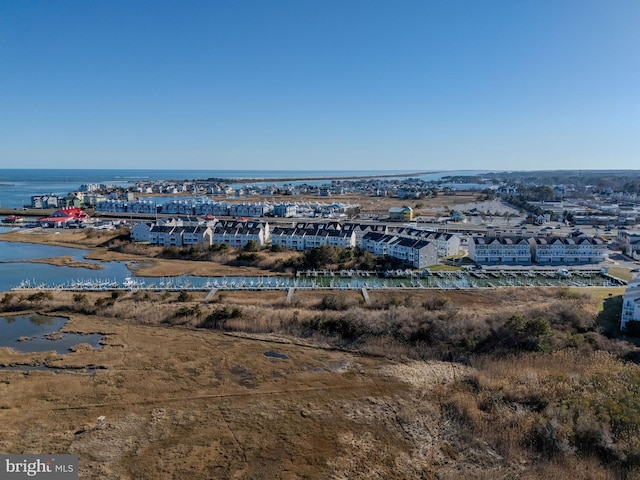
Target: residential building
point(415, 252)
point(515, 250)
point(401, 213)
point(631, 303)
point(238, 234)
point(579, 249)
point(284, 210)
point(630, 243)
point(312, 235)
point(64, 217)
point(448, 243)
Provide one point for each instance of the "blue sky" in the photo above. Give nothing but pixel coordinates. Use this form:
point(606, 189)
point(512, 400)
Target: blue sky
point(320, 84)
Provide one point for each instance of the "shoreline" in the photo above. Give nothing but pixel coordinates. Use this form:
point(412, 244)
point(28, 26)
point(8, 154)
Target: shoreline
point(313, 178)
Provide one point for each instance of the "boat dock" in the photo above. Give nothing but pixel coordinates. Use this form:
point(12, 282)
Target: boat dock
point(324, 280)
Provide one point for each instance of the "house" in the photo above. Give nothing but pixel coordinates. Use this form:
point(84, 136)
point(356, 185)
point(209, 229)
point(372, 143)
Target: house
point(631, 303)
point(165, 235)
point(238, 234)
point(141, 232)
point(288, 237)
point(285, 210)
point(64, 217)
point(448, 243)
point(197, 235)
point(311, 235)
point(45, 201)
point(415, 252)
point(500, 250)
point(630, 243)
point(401, 213)
point(362, 229)
point(575, 249)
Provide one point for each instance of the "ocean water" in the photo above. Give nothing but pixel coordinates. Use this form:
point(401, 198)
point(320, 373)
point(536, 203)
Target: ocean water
point(17, 186)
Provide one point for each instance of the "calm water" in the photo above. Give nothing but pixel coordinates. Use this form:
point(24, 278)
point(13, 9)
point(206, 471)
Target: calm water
point(11, 274)
point(35, 328)
point(18, 185)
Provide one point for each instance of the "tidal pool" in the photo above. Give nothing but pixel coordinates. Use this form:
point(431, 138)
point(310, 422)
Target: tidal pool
point(41, 333)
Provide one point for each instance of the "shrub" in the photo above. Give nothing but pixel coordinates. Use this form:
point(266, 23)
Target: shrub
point(186, 311)
point(184, 296)
point(251, 246)
point(79, 298)
point(218, 318)
point(40, 297)
point(332, 302)
point(248, 257)
point(435, 303)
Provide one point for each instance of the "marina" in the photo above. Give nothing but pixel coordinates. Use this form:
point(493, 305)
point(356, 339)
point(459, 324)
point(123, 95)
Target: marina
point(325, 280)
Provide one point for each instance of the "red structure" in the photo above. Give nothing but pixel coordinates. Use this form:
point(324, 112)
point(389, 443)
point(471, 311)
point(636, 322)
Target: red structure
point(65, 217)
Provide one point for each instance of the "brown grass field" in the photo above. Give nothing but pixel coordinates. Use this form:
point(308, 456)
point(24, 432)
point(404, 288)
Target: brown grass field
point(416, 385)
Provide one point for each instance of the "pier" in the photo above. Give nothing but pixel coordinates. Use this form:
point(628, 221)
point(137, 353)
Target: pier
point(360, 280)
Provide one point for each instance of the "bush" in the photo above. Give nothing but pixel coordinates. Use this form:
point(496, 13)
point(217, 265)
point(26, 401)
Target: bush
point(251, 246)
point(218, 318)
point(332, 302)
point(186, 311)
point(79, 298)
point(248, 257)
point(184, 296)
point(40, 297)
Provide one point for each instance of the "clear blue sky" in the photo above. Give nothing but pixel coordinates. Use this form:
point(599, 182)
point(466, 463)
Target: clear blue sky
point(320, 84)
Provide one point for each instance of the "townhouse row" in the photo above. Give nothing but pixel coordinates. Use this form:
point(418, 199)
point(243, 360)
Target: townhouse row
point(418, 248)
point(178, 234)
point(541, 250)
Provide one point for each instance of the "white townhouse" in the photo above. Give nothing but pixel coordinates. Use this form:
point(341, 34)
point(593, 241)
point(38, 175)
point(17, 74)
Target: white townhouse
point(448, 243)
point(362, 229)
point(631, 303)
point(341, 238)
point(285, 210)
point(141, 232)
point(238, 234)
point(500, 250)
point(143, 206)
point(548, 249)
point(45, 201)
point(418, 253)
point(164, 236)
point(250, 209)
point(630, 243)
point(311, 235)
point(218, 209)
point(415, 252)
point(288, 237)
point(579, 249)
point(120, 206)
point(179, 207)
point(111, 205)
point(188, 221)
point(197, 235)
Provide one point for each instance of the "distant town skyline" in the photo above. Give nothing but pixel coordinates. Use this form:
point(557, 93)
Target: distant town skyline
point(332, 85)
